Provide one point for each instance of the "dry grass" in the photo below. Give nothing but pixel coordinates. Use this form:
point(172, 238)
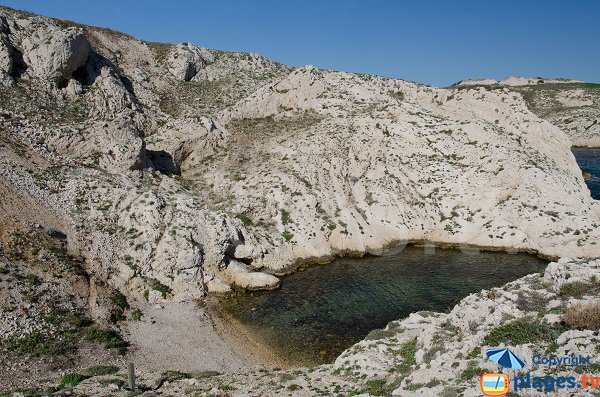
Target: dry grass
point(583, 316)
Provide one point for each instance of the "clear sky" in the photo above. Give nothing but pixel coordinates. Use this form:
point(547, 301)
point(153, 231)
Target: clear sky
point(430, 41)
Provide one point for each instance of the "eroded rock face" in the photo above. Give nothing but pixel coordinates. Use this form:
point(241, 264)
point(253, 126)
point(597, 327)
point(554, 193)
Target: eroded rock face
point(184, 61)
point(3, 23)
point(265, 165)
point(115, 146)
point(53, 54)
point(6, 50)
point(110, 96)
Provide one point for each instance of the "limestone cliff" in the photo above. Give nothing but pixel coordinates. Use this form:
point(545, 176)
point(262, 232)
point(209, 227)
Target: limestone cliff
point(178, 170)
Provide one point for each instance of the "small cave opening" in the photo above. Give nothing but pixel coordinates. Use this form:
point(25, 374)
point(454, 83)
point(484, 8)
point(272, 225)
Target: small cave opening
point(163, 162)
point(62, 83)
point(19, 66)
point(82, 75)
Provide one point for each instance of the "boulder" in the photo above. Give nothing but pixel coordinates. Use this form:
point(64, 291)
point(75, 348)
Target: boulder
point(240, 275)
point(184, 61)
point(111, 96)
point(53, 54)
point(74, 88)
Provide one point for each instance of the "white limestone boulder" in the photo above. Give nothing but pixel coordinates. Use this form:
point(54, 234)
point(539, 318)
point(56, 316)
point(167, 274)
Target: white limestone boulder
point(184, 61)
point(53, 54)
point(240, 275)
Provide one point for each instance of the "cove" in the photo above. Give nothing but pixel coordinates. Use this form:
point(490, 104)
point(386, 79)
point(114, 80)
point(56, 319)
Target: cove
point(322, 310)
point(589, 161)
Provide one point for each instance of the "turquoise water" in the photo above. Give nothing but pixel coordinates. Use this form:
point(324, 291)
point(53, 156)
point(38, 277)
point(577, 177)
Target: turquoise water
point(319, 312)
point(589, 160)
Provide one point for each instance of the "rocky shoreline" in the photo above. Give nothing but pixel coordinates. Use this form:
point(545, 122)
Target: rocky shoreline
point(427, 353)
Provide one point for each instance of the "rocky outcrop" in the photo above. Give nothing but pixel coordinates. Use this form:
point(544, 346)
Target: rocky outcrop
point(572, 106)
point(53, 53)
point(110, 96)
point(6, 52)
point(516, 81)
point(475, 82)
point(413, 184)
point(239, 275)
point(184, 61)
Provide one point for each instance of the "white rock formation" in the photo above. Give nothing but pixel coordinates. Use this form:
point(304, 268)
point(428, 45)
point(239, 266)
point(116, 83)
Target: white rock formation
point(6, 62)
point(470, 82)
point(241, 276)
point(517, 81)
point(54, 54)
point(184, 61)
point(6, 53)
point(272, 163)
point(110, 96)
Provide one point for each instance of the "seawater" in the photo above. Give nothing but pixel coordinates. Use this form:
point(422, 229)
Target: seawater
point(589, 160)
point(324, 309)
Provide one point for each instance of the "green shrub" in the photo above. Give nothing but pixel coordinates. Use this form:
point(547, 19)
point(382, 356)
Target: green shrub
point(285, 217)
point(470, 373)
point(408, 351)
point(575, 289)
point(246, 220)
point(110, 339)
point(118, 299)
point(206, 374)
point(136, 314)
point(38, 344)
point(378, 334)
point(172, 376)
point(287, 235)
point(72, 379)
point(156, 285)
point(398, 95)
point(523, 331)
point(98, 370)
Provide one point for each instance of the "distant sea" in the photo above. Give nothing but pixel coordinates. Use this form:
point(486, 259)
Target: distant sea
point(589, 160)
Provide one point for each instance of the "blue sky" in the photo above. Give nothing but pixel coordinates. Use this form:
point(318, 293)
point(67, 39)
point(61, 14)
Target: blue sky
point(429, 41)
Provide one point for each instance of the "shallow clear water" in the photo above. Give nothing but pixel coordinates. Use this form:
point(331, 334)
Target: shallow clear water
point(589, 160)
point(319, 312)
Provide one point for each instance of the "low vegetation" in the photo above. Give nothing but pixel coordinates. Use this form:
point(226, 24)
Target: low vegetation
point(575, 289)
point(523, 331)
point(581, 316)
